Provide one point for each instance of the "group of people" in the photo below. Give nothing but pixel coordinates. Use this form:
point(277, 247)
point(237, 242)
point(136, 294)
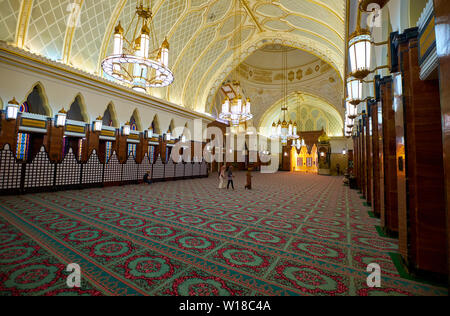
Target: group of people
point(224, 172)
point(227, 172)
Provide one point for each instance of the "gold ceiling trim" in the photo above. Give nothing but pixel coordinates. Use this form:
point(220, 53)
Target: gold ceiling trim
point(319, 36)
point(283, 18)
point(323, 5)
point(108, 34)
point(212, 66)
point(68, 37)
point(212, 43)
point(23, 21)
point(209, 107)
point(252, 16)
point(203, 27)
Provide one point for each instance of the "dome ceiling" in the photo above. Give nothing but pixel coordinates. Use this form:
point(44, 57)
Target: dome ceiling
point(200, 32)
point(306, 73)
point(310, 112)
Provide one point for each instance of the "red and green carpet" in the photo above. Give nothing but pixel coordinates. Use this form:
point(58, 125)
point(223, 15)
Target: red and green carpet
point(292, 235)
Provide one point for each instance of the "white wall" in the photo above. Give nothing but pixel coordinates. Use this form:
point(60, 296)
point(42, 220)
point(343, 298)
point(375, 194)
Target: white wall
point(18, 79)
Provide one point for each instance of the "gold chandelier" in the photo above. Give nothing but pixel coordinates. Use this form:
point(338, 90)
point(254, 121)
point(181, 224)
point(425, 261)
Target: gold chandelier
point(283, 130)
point(137, 60)
point(238, 110)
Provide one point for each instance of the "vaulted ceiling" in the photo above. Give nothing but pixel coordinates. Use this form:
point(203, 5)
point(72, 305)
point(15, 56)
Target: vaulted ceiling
point(200, 33)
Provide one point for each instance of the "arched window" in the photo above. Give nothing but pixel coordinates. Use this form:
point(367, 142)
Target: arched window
point(151, 153)
point(23, 139)
point(108, 150)
point(132, 150)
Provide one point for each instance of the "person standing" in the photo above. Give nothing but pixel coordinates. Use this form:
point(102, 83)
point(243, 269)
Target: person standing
point(230, 177)
point(248, 186)
point(221, 176)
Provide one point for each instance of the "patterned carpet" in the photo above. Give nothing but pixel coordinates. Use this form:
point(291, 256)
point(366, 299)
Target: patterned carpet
point(292, 235)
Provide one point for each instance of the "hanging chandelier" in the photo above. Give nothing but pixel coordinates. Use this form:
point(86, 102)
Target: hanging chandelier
point(299, 144)
point(238, 110)
point(283, 130)
point(137, 60)
point(360, 50)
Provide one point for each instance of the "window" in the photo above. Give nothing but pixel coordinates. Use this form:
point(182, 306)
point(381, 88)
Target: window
point(80, 148)
point(23, 141)
point(168, 153)
point(132, 150)
point(108, 150)
point(151, 153)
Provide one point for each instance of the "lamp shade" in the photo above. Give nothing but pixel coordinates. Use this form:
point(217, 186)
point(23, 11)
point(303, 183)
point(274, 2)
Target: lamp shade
point(351, 110)
point(98, 124)
point(149, 133)
point(360, 53)
point(169, 135)
point(354, 91)
point(60, 118)
point(126, 129)
point(12, 109)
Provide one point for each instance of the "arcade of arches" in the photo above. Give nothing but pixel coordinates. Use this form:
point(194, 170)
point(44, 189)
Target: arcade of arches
point(121, 176)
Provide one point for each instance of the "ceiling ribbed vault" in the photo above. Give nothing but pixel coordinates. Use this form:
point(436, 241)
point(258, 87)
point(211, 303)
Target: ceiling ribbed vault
point(200, 33)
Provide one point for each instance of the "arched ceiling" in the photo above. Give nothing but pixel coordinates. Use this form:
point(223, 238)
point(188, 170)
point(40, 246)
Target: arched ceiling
point(310, 112)
point(200, 32)
point(263, 85)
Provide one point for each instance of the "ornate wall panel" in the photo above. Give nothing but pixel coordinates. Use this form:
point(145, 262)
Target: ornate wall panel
point(158, 169)
point(92, 170)
point(40, 172)
point(10, 170)
point(69, 171)
point(113, 170)
point(130, 170)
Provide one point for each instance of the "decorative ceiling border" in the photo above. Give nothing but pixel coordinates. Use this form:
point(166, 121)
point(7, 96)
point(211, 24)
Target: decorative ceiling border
point(22, 22)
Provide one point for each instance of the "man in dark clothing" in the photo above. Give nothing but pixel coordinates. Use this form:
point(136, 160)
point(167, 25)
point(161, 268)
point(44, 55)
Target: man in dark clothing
point(230, 177)
point(147, 178)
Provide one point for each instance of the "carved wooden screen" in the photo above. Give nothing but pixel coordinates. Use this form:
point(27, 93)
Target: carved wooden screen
point(130, 169)
point(158, 169)
point(10, 170)
point(69, 171)
point(170, 169)
point(179, 170)
point(204, 168)
point(113, 170)
point(92, 170)
point(196, 169)
point(144, 167)
point(40, 172)
point(188, 169)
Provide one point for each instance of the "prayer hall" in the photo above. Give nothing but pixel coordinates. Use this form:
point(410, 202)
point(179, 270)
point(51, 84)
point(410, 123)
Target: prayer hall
point(250, 149)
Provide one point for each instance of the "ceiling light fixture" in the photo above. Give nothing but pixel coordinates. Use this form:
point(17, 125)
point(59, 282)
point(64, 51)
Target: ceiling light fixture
point(137, 60)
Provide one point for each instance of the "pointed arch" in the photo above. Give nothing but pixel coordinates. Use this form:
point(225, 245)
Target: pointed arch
point(171, 126)
point(110, 116)
point(37, 101)
point(77, 109)
point(135, 121)
point(155, 125)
